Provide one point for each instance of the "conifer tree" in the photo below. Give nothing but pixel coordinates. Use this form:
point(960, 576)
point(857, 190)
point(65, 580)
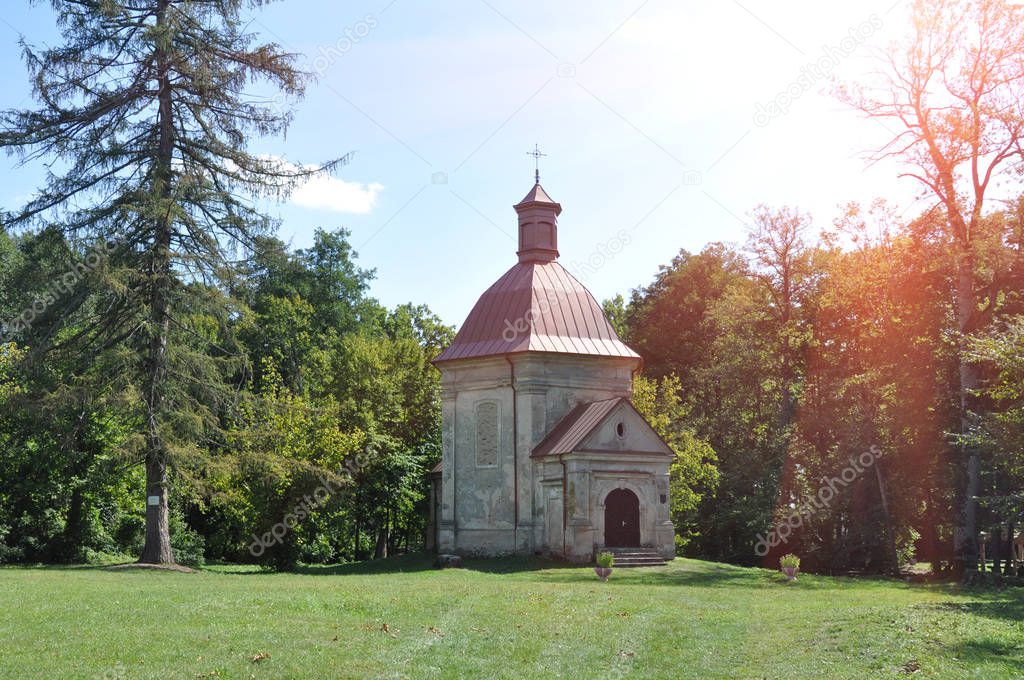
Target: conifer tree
point(144, 117)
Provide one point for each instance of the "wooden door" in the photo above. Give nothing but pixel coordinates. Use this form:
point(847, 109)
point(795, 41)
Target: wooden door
point(622, 519)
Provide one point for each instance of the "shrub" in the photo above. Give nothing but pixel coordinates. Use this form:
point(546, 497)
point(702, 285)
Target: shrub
point(606, 560)
point(8, 553)
point(103, 558)
point(906, 540)
point(789, 561)
point(189, 547)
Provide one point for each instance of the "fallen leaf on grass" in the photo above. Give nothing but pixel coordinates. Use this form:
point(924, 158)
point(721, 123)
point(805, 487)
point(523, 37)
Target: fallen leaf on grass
point(910, 667)
point(261, 656)
point(625, 655)
point(436, 631)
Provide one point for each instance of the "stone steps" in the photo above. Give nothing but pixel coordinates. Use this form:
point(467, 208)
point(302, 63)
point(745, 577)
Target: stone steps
point(637, 557)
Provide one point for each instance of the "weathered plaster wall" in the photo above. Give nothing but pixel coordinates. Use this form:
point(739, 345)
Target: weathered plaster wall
point(478, 502)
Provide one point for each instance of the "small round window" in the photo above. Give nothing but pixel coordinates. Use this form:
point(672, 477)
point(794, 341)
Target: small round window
point(620, 430)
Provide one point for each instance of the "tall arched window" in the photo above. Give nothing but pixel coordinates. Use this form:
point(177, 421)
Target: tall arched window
point(487, 433)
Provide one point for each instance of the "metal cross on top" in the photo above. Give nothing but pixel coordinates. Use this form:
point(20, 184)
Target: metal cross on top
point(537, 155)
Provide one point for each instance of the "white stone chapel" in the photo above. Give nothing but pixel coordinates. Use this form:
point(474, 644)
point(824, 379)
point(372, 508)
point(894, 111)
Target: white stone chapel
point(543, 452)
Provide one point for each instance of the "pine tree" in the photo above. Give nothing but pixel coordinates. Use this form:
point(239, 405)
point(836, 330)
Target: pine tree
point(144, 114)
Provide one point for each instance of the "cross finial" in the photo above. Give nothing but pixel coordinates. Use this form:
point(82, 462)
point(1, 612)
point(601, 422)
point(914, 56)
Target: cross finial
point(537, 155)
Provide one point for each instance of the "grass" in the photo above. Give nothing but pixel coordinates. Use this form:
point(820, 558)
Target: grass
point(498, 619)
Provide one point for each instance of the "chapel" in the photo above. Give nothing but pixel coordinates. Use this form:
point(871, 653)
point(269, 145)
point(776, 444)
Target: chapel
point(543, 451)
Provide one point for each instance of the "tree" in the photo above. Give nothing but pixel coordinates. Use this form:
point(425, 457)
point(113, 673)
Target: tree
point(146, 104)
point(692, 475)
point(780, 259)
point(615, 311)
point(1002, 429)
point(707, 321)
point(954, 88)
point(671, 312)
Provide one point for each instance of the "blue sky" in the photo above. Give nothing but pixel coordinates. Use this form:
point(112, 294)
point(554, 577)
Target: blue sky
point(657, 118)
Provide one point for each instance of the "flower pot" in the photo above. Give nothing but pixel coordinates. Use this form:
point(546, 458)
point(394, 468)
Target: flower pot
point(790, 572)
point(603, 572)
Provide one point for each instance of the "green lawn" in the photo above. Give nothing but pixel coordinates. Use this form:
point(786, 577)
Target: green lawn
point(500, 618)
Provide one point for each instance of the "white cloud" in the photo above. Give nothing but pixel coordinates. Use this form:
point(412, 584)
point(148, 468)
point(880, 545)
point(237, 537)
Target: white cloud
point(324, 192)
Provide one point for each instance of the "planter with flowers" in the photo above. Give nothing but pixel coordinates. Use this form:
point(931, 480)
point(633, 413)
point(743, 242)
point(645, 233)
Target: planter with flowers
point(790, 566)
point(604, 565)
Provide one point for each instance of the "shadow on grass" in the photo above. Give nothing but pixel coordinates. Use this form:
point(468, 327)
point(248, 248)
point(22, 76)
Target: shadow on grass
point(65, 567)
point(676, 574)
point(978, 652)
point(416, 562)
point(699, 574)
point(999, 606)
point(426, 562)
point(389, 565)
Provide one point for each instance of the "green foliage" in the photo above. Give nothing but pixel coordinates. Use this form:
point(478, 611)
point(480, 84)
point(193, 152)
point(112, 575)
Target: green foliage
point(8, 553)
point(606, 560)
point(615, 311)
point(352, 404)
point(10, 385)
point(189, 546)
point(692, 475)
point(906, 545)
point(152, 139)
point(1000, 433)
point(794, 356)
point(789, 561)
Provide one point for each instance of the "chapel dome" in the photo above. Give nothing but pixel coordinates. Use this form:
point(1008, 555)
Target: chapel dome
point(537, 306)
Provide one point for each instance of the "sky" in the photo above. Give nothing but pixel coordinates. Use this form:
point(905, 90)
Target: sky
point(664, 124)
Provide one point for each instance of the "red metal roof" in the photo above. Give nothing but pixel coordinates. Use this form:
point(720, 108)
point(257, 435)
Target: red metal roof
point(538, 195)
point(574, 427)
point(536, 307)
point(577, 425)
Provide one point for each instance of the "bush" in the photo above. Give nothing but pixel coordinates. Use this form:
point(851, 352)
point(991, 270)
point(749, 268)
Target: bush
point(8, 553)
point(682, 543)
point(103, 557)
point(189, 547)
point(789, 561)
point(129, 533)
point(906, 541)
point(606, 560)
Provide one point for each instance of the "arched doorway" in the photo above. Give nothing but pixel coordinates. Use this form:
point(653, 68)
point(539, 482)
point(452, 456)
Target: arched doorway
point(622, 519)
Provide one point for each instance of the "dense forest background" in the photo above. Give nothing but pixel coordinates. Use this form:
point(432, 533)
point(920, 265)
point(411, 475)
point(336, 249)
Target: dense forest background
point(177, 383)
point(768, 365)
point(289, 379)
point(803, 350)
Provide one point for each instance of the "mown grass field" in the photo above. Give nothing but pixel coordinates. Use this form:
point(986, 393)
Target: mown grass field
point(498, 619)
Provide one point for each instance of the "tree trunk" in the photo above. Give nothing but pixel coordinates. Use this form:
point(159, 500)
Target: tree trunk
point(1011, 559)
point(71, 542)
point(890, 531)
point(381, 549)
point(157, 549)
point(997, 552)
point(969, 380)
